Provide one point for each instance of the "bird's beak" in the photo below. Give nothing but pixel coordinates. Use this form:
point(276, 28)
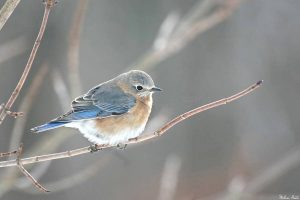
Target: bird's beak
point(155, 89)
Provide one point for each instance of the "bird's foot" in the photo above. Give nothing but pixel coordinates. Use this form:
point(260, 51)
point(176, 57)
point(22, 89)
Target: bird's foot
point(121, 146)
point(95, 148)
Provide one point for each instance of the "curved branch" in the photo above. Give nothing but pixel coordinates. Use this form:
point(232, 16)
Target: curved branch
point(3, 112)
point(78, 178)
point(26, 105)
point(139, 139)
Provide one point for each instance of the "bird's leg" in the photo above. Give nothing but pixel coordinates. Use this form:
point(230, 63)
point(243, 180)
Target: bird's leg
point(94, 148)
point(121, 146)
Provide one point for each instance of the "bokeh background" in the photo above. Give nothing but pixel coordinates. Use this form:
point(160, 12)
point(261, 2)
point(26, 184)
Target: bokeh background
point(248, 149)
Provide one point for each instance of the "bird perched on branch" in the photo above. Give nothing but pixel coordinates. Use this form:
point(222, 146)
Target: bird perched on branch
point(112, 112)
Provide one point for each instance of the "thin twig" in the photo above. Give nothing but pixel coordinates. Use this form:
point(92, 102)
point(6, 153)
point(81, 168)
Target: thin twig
point(10, 153)
point(48, 143)
point(14, 114)
point(26, 104)
point(73, 51)
point(36, 171)
point(26, 173)
point(48, 5)
point(195, 111)
point(78, 178)
point(18, 129)
point(7, 10)
point(141, 138)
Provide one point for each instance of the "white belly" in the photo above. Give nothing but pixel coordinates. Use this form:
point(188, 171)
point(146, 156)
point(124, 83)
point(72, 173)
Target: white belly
point(89, 130)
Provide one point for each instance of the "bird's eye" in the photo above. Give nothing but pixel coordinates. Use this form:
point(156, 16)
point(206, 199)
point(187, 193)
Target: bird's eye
point(139, 87)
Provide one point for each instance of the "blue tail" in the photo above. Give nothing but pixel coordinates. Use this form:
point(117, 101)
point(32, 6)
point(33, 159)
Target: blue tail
point(48, 126)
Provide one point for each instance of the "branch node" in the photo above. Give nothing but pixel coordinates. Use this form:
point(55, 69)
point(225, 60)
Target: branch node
point(139, 139)
point(14, 114)
point(37, 42)
point(121, 146)
point(25, 172)
point(157, 133)
point(259, 82)
point(19, 153)
point(50, 3)
point(10, 153)
point(133, 139)
point(95, 148)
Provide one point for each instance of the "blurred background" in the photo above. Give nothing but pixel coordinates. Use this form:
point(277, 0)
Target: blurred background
point(198, 52)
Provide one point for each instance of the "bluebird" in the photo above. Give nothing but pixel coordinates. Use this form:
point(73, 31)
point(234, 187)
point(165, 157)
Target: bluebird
point(112, 112)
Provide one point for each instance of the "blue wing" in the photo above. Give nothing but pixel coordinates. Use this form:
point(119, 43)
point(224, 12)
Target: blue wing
point(65, 119)
point(100, 102)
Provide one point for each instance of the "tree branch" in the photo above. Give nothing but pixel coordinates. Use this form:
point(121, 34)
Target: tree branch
point(18, 129)
point(78, 178)
point(19, 126)
point(7, 10)
point(141, 138)
point(26, 173)
point(10, 153)
point(3, 112)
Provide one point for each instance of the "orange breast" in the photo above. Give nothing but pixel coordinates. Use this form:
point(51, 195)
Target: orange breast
point(135, 118)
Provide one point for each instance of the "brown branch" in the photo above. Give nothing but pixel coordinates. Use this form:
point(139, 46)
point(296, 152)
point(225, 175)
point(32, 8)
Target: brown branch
point(26, 173)
point(14, 114)
point(26, 105)
point(141, 138)
point(10, 153)
point(78, 178)
point(195, 111)
point(18, 129)
point(3, 112)
point(7, 10)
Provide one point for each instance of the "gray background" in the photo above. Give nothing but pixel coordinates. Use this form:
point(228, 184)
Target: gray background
point(259, 41)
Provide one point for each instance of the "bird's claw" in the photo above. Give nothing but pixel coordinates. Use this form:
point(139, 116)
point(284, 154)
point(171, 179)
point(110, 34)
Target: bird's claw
point(121, 146)
point(94, 148)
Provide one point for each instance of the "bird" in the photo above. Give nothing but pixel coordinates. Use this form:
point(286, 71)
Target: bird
point(112, 112)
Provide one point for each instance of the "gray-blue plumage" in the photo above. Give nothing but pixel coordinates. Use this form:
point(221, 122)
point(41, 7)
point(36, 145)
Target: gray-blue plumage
point(99, 102)
point(110, 100)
